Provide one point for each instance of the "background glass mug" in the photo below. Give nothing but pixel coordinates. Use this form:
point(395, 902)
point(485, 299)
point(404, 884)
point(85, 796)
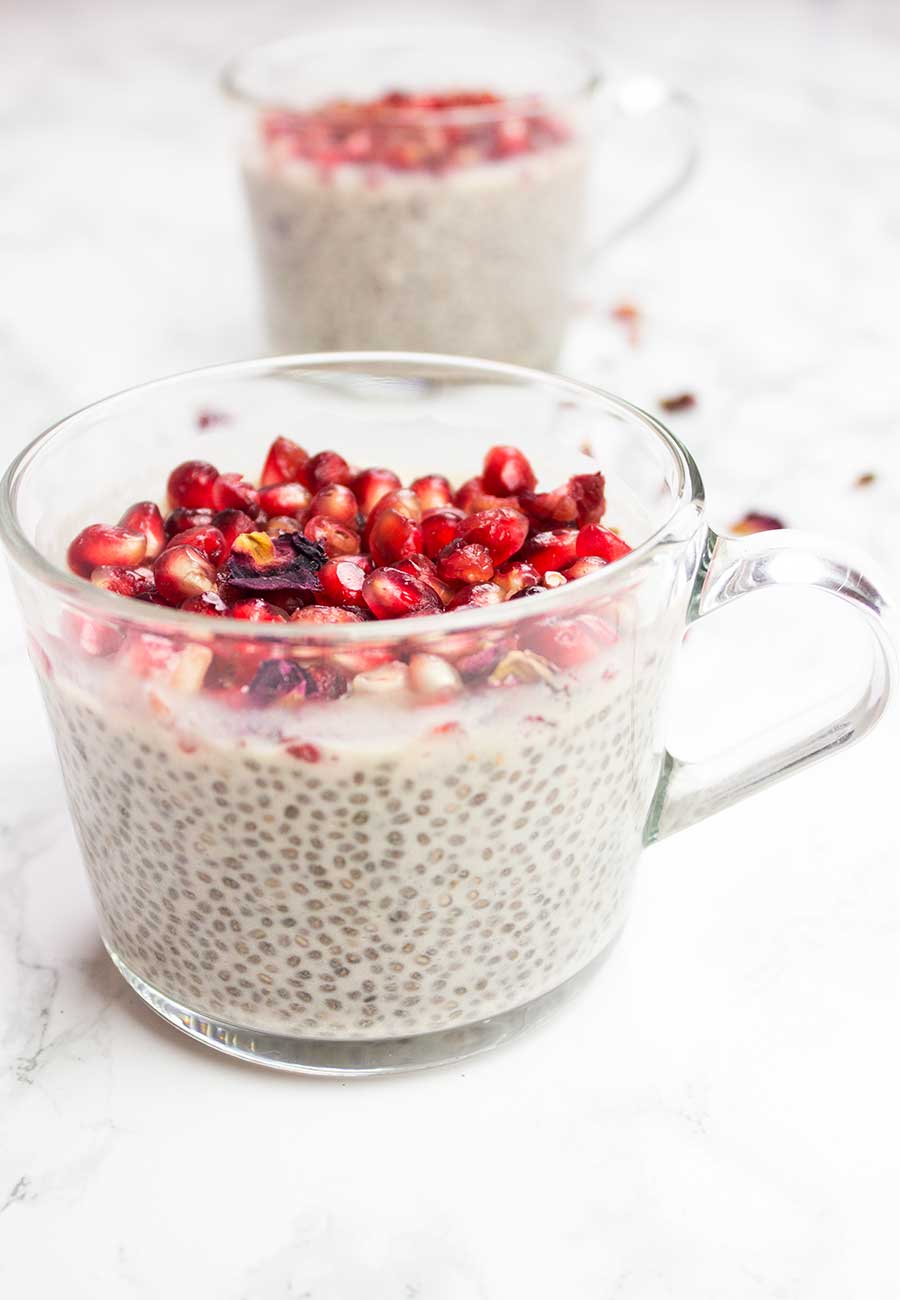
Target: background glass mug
point(424, 227)
point(385, 880)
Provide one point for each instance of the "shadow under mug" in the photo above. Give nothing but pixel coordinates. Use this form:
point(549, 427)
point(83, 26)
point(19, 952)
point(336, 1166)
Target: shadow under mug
point(362, 882)
point(461, 228)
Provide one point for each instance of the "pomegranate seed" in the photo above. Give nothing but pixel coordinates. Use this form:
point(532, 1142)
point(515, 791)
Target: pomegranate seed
point(209, 603)
point(191, 484)
point(324, 682)
point(393, 536)
point(232, 492)
point(431, 675)
point(256, 610)
point(536, 590)
point(502, 531)
point(333, 537)
point(326, 614)
point(94, 638)
point(433, 491)
point(124, 582)
point(342, 579)
point(327, 467)
point(515, 576)
point(206, 539)
point(361, 661)
point(305, 753)
point(551, 550)
point(472, 497)
point(106, 544)
point(507, 472)
point(389, 677)
point(586, 565)
point(554, 508)
point(371, 485)
point(402, 501)
point(565, 644)
point(472, 488)
point(589, 491)
point(157, 657)
point(189, 669)
point(335, 502)
point(231, 524)
point(421, 567)
point(552, 578)
point(483, 593)
point(181, 572)
point(464, 561)
point(284, 462)
point(283, 524)
point(180, 520)
point(594, 539)
point(290, 499)
point(391, 593)
point(439, 529)
point(144, 517)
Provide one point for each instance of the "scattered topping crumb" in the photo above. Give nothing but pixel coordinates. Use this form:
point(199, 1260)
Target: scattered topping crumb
point(754, 522)
point(680, 402)
point(627, 314)
point(865, 480)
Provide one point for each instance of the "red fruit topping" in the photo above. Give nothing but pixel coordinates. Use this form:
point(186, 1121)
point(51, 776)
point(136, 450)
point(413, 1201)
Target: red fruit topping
point(421, 567)
point(755, 523)
point(342, 579)
point(507, 472)
point(502, 531)
point(553, 579)
point(231, 524)
point(515, 576)
point(433, 676)
point(370, 485)
point(144, 517)
point(594, 539)
point(256, 610)
point(536, 590)
point(589, 492)
point(209, 603)
point(137, 583)
point(284, 462)
point(433, 491)
point(181, 572)
point(327, 614)
point(472, 488)
point(305, 753)
point(465, 561)
point(290, 499)
point(556, 507)
point(403, 501)
point(393, 536)
point(334, 538)
point(208, 419)
point(180, 520)
point(439, 529)
point(106, 544)
point(582, 568)
point(324, 682)
point(283, 524)
point(93, 637)
point(335, 502)
point(159, 658)
point(483, 593)
point(551, 550)
point(232, 492)
point(327, 467)
point(191, 484)
point(382, 680)
point(206, 539)
point(278, 679)
point(288, 562)
point(565, 643)
point(391, 593)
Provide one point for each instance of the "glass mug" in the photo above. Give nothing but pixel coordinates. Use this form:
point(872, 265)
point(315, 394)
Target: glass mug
point(360, 876)
point(455, 224)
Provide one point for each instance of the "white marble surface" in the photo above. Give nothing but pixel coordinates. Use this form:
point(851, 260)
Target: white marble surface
point(717, 1116)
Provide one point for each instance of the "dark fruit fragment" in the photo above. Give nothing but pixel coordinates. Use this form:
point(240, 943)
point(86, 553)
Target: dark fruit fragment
point(288, 562)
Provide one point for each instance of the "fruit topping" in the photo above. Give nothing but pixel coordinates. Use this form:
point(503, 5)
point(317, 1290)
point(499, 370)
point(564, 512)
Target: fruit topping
point(288, 562)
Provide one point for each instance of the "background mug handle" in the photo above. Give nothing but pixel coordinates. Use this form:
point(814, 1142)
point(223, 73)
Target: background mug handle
point(733, 567)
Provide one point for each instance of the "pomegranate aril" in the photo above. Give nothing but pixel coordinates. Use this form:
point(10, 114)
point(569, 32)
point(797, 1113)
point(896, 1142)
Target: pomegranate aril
point(393, 536)
point(207, 539)
point(565, 643)
point(391, 593)
point(472, 497)
point(327, 614)
point(335, 502)
point(483, 593)
point(536, 590)
point(137, 583)
point(256, 610)
point(402, 501)
point(232, 492)
point(93, 637)
point(144, 517)
point(180, 520)
point(547, 508)
point(191, 484)
point(209, 603)
point(582, 568)
point(290, 499)
point(515, 576)
point(554, 549)
point(370, 485)
point(284, 462)
point(231, 524)
point(324, 682)
point(465, 561)
point(334, 538)
point(502, 531)
point(594, 539)
point(440, 528)
point(342, 579)
point(283, 524)
point(553, 578)
point(324, 468)
point(420, 566)
point(433, 491)
point(433, 676)
point(589, 492)
point(472, 488)
point(105, 544)
point(181, 572)
point(383, 680)
point(507, 472)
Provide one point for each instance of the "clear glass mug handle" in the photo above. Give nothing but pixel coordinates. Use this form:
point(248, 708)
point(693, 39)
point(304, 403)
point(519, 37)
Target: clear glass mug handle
point(736, 567)
point(638, 102)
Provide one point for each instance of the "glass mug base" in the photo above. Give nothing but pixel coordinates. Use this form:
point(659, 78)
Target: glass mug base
point(358, 1057)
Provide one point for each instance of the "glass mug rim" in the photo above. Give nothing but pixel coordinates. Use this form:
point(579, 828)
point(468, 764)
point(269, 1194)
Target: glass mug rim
point(684, 518)
point(236, 77)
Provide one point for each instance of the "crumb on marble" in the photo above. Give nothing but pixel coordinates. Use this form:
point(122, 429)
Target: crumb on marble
point(679, 402)
point(865, 480)
point(756, 522)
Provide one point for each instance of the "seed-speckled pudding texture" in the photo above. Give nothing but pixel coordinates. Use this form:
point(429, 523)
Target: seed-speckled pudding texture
point(396, 871)
point(476, 260)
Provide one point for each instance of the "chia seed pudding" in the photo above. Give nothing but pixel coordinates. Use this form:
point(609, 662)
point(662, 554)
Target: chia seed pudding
point(377, 225)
